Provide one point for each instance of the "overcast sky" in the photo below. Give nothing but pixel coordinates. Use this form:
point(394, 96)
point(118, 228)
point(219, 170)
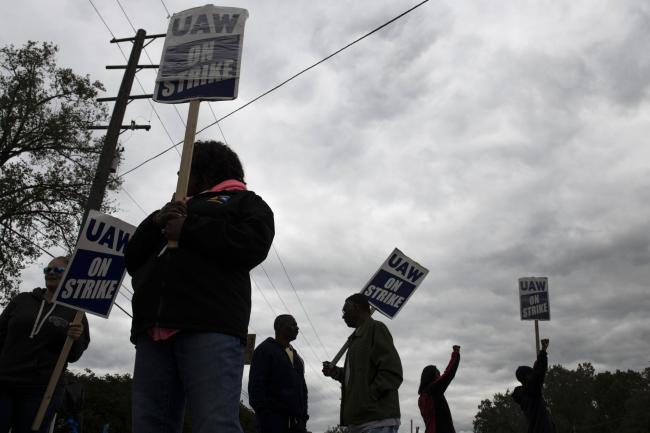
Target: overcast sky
point(487, 140)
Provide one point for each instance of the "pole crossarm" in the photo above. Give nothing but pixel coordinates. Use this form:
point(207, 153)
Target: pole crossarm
point(159, 35)
point(114, 98)
point(125, 66)
point(145, 127)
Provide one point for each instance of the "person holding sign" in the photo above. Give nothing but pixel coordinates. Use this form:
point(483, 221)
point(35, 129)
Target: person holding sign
point(432, 402)
point(372, 373)
point(32, 333)
point(192, 303)
point(529, 395)
point(276, 383)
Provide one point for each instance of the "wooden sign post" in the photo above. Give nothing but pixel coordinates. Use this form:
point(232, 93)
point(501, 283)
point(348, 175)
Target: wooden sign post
point(56, 374)
point(186, 157)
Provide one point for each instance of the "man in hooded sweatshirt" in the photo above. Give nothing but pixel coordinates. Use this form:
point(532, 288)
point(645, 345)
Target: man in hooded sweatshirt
point(432, 402)
point(529, 395)
point(33, 330)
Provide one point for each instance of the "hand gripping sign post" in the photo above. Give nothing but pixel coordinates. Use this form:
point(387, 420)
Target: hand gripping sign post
point(533, 302)
point(91, 281)
point(390, 287)
point(201, 60)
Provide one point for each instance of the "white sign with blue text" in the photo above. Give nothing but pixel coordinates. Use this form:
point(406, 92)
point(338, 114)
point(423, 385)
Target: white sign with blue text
point(533, 298)
point(97, 267)
point(394, 283)
point(201, 57)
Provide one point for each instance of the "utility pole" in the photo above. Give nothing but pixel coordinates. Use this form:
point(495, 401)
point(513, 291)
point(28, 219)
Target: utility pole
point(95, 199)
point(98, 188)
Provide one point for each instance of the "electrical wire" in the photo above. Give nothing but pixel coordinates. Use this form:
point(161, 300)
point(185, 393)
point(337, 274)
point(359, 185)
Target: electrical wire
point(278, 85)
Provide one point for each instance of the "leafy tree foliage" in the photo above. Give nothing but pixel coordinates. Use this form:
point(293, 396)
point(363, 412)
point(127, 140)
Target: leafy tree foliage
point(580, 401)
point(102, 400)
point(501, 415)
point(47, 155)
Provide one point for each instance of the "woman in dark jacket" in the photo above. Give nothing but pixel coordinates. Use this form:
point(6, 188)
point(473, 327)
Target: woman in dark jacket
point(192, 303)
point(32, 333)
point(432, 402)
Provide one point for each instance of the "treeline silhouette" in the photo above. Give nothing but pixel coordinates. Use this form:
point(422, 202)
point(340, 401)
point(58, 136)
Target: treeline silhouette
point(581, 401)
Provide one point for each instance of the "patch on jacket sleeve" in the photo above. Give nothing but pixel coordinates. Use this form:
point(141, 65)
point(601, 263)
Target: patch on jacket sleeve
point(219, 199)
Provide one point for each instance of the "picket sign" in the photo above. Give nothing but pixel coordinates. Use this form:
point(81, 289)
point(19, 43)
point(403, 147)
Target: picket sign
point(390, 287)
point(534, 302)
point(90, 283)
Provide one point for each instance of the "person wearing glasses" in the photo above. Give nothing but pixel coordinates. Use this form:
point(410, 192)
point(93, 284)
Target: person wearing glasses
point(32, 333)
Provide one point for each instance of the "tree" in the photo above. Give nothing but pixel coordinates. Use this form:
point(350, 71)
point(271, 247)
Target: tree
point(47, 155)
point(501, 416)
point(580, 401)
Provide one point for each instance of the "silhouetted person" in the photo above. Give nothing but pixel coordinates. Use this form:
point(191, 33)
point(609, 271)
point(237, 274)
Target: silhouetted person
point(33, 330)
point(192, 304)
point(529, 395)
point(276, 382)
point(372, 373)
point(432, 402)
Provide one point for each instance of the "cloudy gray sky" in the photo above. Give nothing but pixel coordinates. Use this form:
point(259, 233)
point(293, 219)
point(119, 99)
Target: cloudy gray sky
point(487, 140)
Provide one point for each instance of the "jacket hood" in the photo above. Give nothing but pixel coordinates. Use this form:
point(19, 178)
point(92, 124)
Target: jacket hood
point(38, 293)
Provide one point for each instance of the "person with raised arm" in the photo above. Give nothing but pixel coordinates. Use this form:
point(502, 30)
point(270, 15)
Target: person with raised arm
point(432, 402)
point(529, 395)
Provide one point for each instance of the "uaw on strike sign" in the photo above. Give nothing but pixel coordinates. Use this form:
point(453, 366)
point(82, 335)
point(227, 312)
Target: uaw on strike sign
point(394, 283)
point(533, 298)
point(202, 55)
point(93, 277)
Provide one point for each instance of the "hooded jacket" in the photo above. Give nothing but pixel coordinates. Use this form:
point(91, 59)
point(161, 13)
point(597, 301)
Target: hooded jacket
point(275, 384)
point(204, 284)
point(433, 404)
point(530, 400)
point(29, 361)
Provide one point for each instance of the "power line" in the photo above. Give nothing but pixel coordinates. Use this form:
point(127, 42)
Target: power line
point(166, 10)
point(299, 300)
point(136, 77)
point(280, 85)
point(288, 311)
point(146, 53)
point(133, 200)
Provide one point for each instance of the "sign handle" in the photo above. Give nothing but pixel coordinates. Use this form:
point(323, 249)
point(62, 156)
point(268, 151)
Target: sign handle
point(56, 374)
point(186, 157)
point(536, 337)
point(341, 352)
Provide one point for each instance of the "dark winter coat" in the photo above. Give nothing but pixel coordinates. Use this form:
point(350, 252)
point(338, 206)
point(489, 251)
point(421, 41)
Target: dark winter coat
point(433, 404)
point(276, 387)
point(530, 399)
point(26, 361)
point(204, 284)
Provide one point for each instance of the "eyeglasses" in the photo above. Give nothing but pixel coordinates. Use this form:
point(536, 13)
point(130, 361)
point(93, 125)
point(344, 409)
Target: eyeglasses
point(58, 270)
